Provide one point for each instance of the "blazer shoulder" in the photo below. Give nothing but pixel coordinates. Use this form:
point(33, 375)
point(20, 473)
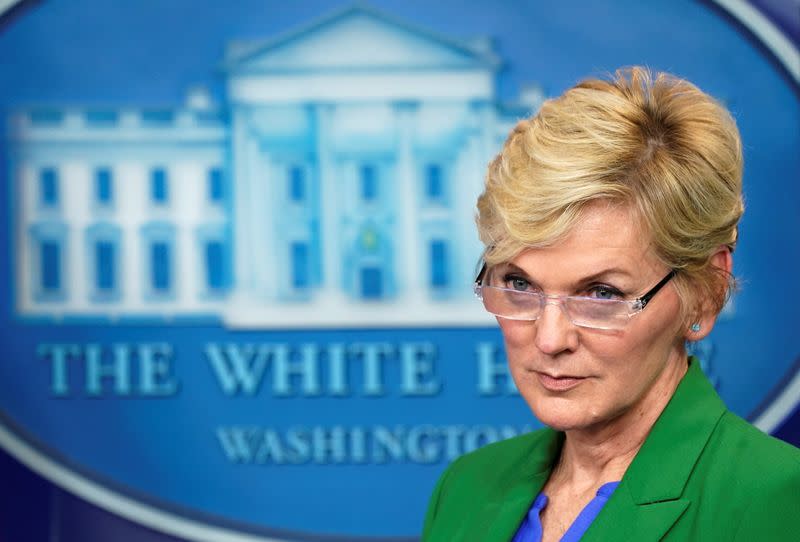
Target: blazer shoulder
point(534, 449)
point(758, 457)
point(765, 481)
point(480, 476)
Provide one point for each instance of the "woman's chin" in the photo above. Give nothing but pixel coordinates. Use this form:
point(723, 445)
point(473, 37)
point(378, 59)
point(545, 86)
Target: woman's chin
point(563, 426)
point(565, 415)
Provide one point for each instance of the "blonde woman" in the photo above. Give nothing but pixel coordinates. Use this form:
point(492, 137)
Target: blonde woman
point(609, 220)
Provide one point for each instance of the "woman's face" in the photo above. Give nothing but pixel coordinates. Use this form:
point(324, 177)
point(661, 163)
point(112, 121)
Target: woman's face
point(579, 378)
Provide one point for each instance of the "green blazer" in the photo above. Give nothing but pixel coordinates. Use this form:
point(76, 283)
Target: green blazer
point(702, 474)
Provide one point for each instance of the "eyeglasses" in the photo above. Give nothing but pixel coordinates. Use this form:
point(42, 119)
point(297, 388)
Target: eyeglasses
point(591, 312)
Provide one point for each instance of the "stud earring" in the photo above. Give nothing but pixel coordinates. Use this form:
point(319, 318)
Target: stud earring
point(695, 327)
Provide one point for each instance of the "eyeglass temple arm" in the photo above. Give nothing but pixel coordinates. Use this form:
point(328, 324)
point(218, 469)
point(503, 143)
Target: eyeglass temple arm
point(479, 278)
point(645, 299)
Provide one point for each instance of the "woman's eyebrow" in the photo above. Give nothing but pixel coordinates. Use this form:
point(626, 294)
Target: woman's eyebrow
point(605, 274)
point(614, 270)
point(608, 273)
point(508, 266)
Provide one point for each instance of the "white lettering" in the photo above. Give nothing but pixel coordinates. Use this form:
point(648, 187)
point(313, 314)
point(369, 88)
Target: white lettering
point(417, 366)
point(492, 374)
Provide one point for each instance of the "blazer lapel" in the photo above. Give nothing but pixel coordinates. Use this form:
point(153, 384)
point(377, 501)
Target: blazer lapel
point(501, 517)
point(624, 519)
point(649, 500)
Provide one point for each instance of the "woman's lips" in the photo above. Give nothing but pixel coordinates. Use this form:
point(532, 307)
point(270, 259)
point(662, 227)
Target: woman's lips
point(558, 383)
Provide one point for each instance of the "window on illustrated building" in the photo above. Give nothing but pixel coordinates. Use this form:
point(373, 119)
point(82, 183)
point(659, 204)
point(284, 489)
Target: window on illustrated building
point(103, 186)
point(213, 259)
point(434, 183)
point(215, 265)
point(371, 282)
point(158, 117)
point(103, 245)
point(101, 118)
point(159, 252)
point(105, 268)
point(297, 184)
point(160, 267)
point(300, 265)
point(438, 258)
point(369, 183)
point(48, 187)
point(50, 266)
point(48, 252)
point(216, 187)
point(159, 189)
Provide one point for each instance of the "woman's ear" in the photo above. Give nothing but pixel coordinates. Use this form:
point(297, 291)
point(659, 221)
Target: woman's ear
point(703, 322)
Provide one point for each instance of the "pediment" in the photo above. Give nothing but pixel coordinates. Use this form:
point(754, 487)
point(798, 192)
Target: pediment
point(357, 39)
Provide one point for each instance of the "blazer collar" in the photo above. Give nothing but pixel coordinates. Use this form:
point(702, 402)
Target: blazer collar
point(660, 470)
point(519, 484)
point(648, 500)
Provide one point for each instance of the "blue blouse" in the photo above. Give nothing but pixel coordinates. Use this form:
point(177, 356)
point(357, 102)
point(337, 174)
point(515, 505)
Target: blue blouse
point(530, 530)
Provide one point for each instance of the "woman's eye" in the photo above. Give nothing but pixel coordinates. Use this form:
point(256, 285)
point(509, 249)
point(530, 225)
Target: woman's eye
point(517, 283)
point(605, 292)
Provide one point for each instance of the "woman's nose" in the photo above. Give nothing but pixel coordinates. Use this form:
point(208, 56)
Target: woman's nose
point(555, 332)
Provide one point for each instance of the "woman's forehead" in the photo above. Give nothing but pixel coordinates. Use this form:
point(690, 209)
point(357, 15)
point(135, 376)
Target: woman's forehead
point(607, 239)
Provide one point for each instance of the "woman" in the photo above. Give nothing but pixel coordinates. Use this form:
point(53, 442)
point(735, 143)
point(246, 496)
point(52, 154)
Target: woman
point(609, 220)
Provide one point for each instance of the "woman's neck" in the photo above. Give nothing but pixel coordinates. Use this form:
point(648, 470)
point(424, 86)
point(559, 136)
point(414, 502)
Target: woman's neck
point(595, 455)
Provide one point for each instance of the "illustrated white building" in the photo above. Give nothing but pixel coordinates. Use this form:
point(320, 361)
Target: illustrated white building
point(334, 186)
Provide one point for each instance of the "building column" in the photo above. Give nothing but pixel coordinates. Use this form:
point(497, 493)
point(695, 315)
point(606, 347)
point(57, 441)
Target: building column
point(22, 178)
point(481, 147)
point(79, 255)
point(266, 207)
point(188, 269)
point(468, 171)
point(330, 186)
point(262, 258)
point(241, 177)
point(132, 267)
point(412, 284)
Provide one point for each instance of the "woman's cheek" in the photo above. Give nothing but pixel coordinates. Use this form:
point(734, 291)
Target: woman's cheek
point(518, 335)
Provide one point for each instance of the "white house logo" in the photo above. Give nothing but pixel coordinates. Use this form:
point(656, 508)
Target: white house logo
point(246, 314)
point(335, 186)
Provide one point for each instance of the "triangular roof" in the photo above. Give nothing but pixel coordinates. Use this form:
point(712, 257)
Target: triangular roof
point(358, 37)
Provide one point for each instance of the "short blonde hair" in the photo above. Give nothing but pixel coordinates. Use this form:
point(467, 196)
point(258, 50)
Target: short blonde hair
point(655, 143)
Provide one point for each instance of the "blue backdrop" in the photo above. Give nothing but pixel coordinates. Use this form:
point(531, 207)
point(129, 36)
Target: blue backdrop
point(224, 313)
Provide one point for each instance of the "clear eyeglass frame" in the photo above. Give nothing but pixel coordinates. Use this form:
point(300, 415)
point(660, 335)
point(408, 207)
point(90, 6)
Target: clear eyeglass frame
point(583, 311)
